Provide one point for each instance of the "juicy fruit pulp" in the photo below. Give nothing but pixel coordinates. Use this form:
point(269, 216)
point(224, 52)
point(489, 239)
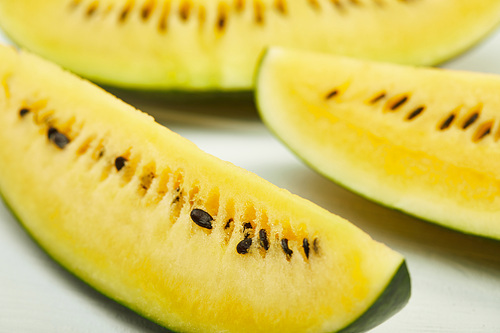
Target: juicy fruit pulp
point(215, 44)
point(424, 141)
point(180, 236)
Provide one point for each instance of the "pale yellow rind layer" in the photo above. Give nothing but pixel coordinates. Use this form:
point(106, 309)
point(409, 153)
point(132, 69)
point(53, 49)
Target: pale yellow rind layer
point(447, 175)
point(216, 44)
point(115, 230)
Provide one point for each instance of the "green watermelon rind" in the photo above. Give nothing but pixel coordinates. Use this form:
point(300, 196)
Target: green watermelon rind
point(390, 301)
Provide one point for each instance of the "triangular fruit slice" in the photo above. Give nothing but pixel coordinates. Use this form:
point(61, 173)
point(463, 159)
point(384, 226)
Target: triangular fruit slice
point(216, 44)
point(188, 240)
point(424, 141)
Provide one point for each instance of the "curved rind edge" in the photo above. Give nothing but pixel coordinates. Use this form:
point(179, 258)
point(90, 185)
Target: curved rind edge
point(78, 277)
point(386, 205)
point(461, 52)
point(155, 91)
point(394, 298)
point(223, 91)
point(382, 203)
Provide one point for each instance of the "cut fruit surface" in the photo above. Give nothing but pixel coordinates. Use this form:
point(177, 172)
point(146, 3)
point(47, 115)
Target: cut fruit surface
point(215, 44)
point(424, 141)
point(187, 240)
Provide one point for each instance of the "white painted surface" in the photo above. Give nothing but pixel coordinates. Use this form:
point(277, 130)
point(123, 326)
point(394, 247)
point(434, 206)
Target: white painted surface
point(455, 278)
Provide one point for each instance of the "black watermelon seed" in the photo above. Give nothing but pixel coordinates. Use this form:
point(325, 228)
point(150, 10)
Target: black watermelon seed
point(120, 162)
point(264, 242)
point(415, 113)
point(228, 224)
point(484, 132)
point(447, 122)
point(305, 245)
point(332, 94)
point(59, 139)
point(286, 249)
point(201, 218)
point(470, 121)
point(377, 98)
point(23, 112)
point(399, 103)
point(243, 246)
point(221, 21)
